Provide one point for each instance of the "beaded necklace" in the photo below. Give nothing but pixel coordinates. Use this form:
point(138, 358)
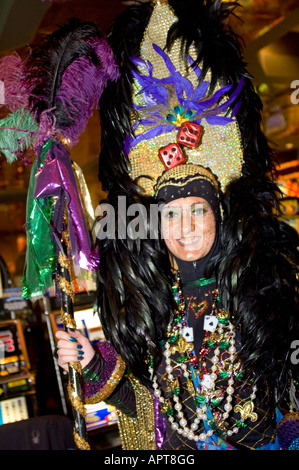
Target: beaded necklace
point(205, 395)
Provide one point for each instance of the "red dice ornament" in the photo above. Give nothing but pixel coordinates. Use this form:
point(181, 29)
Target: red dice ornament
point(189, 134)
point(171, 155)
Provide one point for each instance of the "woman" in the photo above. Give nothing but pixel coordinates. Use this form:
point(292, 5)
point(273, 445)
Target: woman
point(207, 400)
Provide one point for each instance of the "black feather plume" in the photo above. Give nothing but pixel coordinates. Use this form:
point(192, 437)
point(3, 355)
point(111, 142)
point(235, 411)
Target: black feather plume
point(258, 278)
point(135, 287)
point(49, 60)
point(124, 38)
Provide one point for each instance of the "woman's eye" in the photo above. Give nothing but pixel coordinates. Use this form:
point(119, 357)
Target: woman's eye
point(171, 214)
point(199, 209)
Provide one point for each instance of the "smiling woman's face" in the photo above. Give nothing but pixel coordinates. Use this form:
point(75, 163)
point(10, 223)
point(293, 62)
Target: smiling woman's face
point(188, 227)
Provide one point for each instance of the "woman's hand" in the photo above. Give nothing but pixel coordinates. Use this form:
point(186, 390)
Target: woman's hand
point(72, 347)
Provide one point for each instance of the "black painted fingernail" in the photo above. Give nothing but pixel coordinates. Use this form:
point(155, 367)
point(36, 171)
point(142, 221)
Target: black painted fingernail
point(73, 339)
point(79, 346)
point(72, 329)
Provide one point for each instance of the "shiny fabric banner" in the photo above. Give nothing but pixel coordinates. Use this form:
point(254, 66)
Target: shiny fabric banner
point(53, 194)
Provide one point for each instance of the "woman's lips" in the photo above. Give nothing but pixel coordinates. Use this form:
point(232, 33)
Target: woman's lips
point(188, 241)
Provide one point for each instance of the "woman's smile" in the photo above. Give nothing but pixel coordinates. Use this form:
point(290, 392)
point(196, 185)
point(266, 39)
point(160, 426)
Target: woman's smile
point(189, 241)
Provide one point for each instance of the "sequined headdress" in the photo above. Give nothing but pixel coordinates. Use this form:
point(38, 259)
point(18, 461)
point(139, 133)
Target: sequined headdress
point(177, 121)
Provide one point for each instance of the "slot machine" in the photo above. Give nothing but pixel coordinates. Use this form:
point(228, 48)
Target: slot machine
point(17, 382)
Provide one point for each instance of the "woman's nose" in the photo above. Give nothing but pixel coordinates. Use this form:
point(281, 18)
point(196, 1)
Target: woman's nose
point(187, 223)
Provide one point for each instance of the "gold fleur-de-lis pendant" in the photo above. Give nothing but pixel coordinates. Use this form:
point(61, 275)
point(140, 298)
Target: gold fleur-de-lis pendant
point(246, 411)
point(182, 346)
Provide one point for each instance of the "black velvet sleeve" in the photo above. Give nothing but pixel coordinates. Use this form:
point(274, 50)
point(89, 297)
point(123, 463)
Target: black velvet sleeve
point(96, 386)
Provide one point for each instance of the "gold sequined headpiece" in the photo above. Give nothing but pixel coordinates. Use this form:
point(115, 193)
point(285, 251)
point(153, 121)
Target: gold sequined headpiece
point(166, 120)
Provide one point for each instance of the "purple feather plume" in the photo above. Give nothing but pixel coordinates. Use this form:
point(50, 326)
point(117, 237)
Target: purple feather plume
point(82, 85)
point(67, 74)
point(12, 74)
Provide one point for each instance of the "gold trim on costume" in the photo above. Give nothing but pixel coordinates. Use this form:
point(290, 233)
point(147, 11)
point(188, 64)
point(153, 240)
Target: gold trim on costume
point(139, 433)
point(112, 383)
point(177, 176)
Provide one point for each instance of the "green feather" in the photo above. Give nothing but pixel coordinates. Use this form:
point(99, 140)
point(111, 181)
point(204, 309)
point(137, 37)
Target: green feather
point(17, 132)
